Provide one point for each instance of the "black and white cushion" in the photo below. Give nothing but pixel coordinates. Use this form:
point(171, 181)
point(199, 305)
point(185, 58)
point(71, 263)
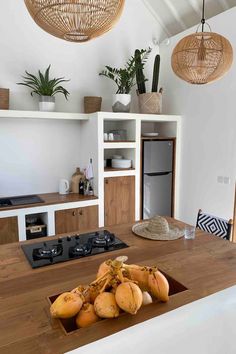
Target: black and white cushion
point(214, 225)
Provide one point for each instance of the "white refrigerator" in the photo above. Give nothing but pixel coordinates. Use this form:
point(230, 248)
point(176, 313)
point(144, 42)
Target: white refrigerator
point(157, 177)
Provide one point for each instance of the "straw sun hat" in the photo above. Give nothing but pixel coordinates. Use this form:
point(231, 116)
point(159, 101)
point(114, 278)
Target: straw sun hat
point(157, 228)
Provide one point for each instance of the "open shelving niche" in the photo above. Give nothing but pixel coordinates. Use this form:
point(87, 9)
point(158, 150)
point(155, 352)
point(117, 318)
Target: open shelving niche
point(42, 217)
point(92, 145)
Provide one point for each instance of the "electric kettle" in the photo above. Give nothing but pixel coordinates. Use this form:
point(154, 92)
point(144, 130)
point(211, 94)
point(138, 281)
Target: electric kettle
point(64, 186)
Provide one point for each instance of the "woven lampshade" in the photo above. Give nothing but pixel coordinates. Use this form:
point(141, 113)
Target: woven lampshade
point(75, 20)
point(202, 57)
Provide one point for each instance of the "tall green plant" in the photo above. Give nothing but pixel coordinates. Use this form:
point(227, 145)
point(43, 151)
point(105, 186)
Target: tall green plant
point(124, 78)
point(156, 72)
point(140, 78)
point(42, 85)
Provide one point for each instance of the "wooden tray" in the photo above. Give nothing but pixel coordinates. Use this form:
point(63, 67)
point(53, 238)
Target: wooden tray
point(69, 325)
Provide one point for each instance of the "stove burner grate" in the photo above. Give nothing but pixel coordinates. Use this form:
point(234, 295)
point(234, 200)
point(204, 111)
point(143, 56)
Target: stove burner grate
point(81, 250)
point(104, 239)
point(47, 252)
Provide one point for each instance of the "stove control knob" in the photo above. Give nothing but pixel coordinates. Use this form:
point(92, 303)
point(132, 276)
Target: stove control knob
point(60, 240)
point(68, 238)
point(77, 237)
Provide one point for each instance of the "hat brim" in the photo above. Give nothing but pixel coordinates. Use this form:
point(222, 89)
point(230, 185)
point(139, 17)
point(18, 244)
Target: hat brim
point(141, 229)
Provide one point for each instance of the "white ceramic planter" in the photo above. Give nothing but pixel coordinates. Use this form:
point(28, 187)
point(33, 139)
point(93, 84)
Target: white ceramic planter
point(121, 102)
point(47, 103)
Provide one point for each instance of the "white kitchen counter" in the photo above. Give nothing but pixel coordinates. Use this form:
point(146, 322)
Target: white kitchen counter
point(205, 326)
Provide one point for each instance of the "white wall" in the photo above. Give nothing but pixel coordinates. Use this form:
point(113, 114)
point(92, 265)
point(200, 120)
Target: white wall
point(209, 130)
point(34, 155)
point(25, 46)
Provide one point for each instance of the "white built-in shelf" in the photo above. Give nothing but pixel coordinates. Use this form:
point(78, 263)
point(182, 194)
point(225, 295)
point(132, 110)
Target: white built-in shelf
point(112, 169)
point(119, 173)
point(85, 116)
point(43, 115)
point(113, 116)
point(119, 145)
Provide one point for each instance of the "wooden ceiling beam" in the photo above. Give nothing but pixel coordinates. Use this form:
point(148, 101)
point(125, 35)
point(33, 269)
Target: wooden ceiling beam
point(176, 15)
point(157, 18)
point(224, 4)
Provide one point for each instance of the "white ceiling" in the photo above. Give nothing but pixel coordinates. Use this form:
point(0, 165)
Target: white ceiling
point(175, 16)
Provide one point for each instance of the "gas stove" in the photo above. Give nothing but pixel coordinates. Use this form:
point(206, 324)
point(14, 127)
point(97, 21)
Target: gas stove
point(71, 247)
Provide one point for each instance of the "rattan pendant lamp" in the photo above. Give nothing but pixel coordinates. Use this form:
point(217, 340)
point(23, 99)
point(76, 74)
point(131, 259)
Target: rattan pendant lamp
point(75, 20)
point(202, 57)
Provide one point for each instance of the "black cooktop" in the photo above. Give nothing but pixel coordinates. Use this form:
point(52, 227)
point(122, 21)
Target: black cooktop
point(71, 247)
point(20, 200)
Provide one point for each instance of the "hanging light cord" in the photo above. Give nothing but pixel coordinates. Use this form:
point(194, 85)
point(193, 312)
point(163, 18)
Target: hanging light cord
point(203, 21)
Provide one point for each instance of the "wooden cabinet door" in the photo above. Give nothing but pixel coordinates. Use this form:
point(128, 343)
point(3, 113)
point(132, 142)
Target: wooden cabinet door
point(119, 200)
point(8, 230)
point(66, 221)
point(77, 219)
point(88, 218)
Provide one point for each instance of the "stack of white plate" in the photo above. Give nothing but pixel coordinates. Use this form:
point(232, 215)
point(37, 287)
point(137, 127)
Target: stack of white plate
point(117, 157)
point(121, 163)
point(150, 135)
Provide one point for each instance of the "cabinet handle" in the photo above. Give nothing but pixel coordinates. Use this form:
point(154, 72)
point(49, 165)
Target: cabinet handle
point(106, 181)
point(74, 213)
point(81, 212)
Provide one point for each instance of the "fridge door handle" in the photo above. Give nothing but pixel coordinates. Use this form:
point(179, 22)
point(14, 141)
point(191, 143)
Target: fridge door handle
point(152, 174)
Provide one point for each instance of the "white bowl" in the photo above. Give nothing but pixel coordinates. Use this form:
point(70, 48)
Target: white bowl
point(117, 157)
point(118, 163)
point(150, 134)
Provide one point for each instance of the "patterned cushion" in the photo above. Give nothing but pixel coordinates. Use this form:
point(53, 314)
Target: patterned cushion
point(214, 225)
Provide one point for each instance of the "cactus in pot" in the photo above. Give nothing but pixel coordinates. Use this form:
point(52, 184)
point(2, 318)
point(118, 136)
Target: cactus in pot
point(149, 102)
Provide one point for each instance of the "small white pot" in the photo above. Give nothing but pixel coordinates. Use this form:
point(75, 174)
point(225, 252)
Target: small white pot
point(121, 102)
point(47, 103)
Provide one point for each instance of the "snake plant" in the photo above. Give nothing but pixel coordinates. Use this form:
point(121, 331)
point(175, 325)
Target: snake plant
point(42, 85)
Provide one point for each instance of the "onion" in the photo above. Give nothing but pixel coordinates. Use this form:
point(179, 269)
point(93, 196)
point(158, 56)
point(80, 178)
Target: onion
point(104, 268)
point(129, 297)
point(82, 290)
point(66, 305)
point(139, 274)
point(105, 305)
point(93, 293)
point(147, 299)
point(87, 316)
point(159, 286)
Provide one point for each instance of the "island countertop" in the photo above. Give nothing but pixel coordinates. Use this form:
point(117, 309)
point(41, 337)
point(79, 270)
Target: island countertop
point(204, 266)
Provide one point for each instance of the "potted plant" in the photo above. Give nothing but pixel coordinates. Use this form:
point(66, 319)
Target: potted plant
point(125, 79)
point(45, 87)
point(150, 102)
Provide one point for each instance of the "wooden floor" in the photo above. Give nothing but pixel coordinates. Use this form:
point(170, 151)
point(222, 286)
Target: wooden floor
point(204, 266)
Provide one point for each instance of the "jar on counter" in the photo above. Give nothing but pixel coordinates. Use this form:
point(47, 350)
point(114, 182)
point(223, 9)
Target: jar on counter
point(76, 177)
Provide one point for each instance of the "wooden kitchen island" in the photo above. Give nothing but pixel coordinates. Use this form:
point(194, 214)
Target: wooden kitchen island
point(204, 266)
